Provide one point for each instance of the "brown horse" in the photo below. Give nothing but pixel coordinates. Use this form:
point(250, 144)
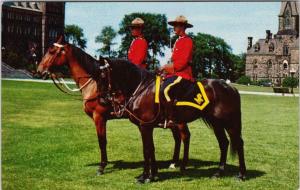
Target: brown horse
point(223, 113)
point(61, 53)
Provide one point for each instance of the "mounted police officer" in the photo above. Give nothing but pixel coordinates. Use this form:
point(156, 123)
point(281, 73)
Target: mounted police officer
point(179, 71)
point(137, 52)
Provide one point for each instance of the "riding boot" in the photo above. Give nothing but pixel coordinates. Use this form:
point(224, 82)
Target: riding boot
point(169, 114)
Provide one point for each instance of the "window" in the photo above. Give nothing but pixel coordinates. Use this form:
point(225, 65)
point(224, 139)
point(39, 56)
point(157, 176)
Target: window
point(285, 50)
point(269, 64)
point(256, 47)
point(285, 64)
point(271, 47)
point(287, 19)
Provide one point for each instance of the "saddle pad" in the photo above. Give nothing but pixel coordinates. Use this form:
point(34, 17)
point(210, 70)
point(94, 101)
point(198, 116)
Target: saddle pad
point(195, 95)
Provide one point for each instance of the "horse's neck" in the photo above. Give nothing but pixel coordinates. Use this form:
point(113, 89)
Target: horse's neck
point(128, 81)
point(79, 75)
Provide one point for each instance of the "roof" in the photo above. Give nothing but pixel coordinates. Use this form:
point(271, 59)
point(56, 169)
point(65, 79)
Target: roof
point(34, 6)
point(264, 46)
point(294, 7)
point(287, 32)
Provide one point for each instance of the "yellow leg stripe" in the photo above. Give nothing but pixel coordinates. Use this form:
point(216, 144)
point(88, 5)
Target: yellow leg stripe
point(189, 104)
point(166, 90)
point(157, 86)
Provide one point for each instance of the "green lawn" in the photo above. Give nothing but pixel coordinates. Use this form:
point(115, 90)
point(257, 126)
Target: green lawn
point(49, 143)
point(257, 88)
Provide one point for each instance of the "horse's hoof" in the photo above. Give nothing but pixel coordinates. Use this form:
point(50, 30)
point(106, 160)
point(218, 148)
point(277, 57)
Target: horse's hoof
point(172, 166)
point(100, 172)
point(141, 178)
point(218, 174)
point(182, 169)
point(241, 177)
point(146, 178)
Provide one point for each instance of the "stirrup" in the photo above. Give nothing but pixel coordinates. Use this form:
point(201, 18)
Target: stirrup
point(163, 125)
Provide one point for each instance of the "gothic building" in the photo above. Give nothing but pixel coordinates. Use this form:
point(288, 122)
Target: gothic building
point(31, 25)
point(276, 56)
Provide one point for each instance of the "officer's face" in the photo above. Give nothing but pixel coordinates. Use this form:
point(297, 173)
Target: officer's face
point(179, 29)
point(136, 31)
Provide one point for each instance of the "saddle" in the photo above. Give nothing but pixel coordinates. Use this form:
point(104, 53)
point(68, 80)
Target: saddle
point(194, 94)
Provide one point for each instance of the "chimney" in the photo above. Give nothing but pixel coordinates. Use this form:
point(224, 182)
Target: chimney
point(250, 42)
point(268, 35)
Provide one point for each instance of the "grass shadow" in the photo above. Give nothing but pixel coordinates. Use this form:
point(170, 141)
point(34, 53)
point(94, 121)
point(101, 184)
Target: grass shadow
point(194, 169)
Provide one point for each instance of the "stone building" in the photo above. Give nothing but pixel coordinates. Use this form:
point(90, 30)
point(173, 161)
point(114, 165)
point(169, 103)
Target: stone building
point(276, 56)
point(31, 26)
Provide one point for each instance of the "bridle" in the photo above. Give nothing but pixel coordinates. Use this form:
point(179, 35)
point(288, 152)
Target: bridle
point(119, 109)
point(60, 83)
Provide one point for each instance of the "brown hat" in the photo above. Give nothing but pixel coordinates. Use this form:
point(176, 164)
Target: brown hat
point(180, 20)
point(137, 22)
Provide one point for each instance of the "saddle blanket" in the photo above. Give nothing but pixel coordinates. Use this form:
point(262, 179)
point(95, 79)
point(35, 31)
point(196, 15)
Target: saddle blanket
point(195, 96)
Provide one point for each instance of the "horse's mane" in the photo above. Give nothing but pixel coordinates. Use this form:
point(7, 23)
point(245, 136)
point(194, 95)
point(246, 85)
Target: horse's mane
point(126, 75)
point(86, 61)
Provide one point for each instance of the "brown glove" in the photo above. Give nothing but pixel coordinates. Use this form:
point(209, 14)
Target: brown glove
point(168, 68)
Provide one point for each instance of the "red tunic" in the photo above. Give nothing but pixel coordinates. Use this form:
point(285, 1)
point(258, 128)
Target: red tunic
point(137, 52)
point(182, 57)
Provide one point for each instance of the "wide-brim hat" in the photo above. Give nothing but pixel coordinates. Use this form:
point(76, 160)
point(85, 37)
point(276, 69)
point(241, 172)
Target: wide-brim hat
point(137, 22)
point(180, 20)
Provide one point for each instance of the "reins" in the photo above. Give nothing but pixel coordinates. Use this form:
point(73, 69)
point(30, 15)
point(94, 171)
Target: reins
point(61, 83)
point(133, 97)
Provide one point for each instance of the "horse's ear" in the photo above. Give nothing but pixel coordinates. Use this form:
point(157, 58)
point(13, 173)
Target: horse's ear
point(101, 59)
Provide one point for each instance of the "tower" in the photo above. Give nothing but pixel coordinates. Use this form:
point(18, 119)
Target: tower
point(289, 18)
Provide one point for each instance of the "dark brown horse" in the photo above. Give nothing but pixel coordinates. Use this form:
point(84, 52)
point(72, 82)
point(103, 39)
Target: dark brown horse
point(223, 113)
point(84, 74)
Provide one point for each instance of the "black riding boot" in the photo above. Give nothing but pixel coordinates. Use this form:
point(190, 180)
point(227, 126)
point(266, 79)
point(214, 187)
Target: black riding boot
point(169, 114)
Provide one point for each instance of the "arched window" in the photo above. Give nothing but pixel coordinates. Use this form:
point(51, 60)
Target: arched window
point(285, 64)
point(287, 19)
point(256, 47)
point(255, 64)
point(269, 64)
point(285, 50)
point(271, 47)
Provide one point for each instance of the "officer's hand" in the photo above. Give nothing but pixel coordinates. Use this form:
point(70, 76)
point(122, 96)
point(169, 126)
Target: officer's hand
point(159, 71)
point(169, 68)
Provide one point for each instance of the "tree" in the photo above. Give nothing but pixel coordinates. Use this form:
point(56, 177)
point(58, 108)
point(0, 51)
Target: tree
point(290, 82)
point(212, 57)
point(155, 32)
point(74, 35)
point(239, 62)
point(106, 38)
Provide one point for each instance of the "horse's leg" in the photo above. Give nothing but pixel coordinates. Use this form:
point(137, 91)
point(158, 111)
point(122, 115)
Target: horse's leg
point(185, 136)
point(150, 168)
point(237, 144)
point(100, 123)
point(177, 139)
point(223, 145)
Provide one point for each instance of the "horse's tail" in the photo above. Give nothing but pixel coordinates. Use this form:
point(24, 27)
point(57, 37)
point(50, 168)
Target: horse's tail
point(235, 129)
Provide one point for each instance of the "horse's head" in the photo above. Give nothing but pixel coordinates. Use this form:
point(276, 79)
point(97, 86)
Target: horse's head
point(55, 56)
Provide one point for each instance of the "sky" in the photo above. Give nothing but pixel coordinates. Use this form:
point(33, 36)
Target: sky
point(232, 21)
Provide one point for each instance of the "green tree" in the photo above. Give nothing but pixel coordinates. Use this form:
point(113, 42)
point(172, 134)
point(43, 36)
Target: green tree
point(239, 62)
point(106, 39)
point(74, 35)
point(290, 82)
point(212, 58)
point(155, 32)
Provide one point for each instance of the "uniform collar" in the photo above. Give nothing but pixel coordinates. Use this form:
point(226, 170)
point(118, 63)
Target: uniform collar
point(139, 37)
point(183, 36)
